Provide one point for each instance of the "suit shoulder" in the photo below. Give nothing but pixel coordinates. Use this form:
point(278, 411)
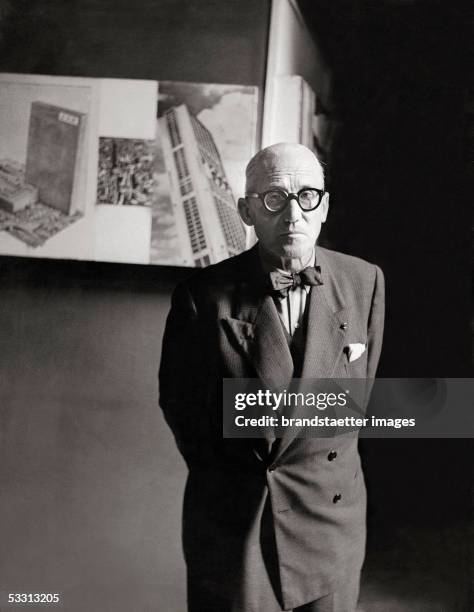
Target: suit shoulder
point(348, 265)
point(354, 280)
point(352, 274)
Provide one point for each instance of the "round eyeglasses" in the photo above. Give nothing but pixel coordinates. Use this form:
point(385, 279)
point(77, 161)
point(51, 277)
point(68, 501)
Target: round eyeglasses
point(275, 200)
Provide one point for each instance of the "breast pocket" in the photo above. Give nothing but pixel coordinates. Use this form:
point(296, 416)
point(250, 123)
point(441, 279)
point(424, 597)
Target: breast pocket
point(355, 359)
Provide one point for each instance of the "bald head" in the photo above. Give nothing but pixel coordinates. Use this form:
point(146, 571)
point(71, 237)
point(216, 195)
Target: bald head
point(282, 159)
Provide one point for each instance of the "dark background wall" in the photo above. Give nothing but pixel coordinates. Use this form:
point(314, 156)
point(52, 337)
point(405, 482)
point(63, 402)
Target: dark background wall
point(400, 197)
point(91, 483)
point(210, 41)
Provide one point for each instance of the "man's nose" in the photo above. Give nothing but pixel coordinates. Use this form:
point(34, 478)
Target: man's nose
point(292, 212)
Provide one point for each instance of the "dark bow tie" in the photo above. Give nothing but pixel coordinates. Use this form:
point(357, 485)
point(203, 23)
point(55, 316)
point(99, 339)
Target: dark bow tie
point(282, 282)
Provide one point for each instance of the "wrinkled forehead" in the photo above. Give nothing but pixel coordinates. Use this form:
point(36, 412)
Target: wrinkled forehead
point(291, 170)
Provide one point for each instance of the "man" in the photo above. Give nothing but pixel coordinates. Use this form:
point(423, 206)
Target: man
point(271, 525)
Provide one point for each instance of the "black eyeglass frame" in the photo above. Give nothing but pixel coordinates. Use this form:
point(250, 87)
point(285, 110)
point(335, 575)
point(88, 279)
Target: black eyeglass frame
point(288, 197)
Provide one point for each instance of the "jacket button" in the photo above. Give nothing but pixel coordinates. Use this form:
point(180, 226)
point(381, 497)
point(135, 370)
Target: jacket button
point(332, 455)
point(344, 326)
point(336, 498)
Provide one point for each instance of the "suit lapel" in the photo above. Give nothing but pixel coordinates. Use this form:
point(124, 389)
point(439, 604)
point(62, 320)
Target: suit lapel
point(264, 344)
point(256, 327)
point(258, 333)
point(327, 323)
point(324, 336)
point(270, 353)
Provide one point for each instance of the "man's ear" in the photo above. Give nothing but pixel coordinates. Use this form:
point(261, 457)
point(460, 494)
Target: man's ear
point(244, 212)
point(324, 207)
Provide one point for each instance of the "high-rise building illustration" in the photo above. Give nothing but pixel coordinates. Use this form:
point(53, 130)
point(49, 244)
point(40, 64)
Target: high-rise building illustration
point(209, 226)
point(53, 155)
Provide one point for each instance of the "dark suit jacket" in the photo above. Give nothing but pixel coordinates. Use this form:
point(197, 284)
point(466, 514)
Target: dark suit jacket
point(222, 324)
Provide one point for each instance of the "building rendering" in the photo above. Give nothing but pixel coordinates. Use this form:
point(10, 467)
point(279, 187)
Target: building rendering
point(53, 155)
point(209, 227)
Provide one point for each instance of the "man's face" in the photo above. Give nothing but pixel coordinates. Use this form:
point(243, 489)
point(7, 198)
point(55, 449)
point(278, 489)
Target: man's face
point(290, 233)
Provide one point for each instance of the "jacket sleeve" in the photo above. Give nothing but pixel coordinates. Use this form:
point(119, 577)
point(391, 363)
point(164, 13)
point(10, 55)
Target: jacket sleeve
point(375, 328)
point(376, 323)
point(181, 372)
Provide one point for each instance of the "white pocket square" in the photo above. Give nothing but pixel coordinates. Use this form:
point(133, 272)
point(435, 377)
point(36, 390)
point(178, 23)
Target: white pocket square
point(354, 351)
